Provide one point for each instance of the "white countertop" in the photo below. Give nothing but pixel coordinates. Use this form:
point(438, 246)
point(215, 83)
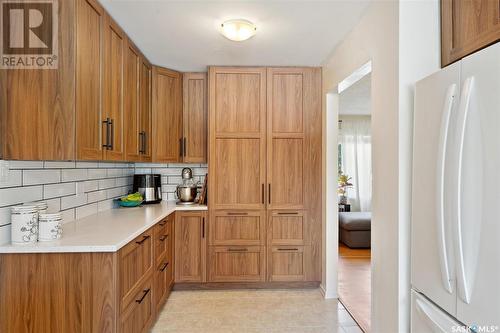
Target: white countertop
point(107, 231)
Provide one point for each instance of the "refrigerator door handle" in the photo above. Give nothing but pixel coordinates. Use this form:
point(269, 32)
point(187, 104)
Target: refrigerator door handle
point(431, 317)
point(441, 168)
point(465, 101)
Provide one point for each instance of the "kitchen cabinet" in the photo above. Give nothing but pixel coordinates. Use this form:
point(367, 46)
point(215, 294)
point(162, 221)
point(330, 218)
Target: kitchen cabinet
point(190, 246)
point(194, 118)
point(37, 107)
point(164, 263)
point(467, 26)
point(132, 130)
point(167, 115)
point(145, 111)
point(265, 149)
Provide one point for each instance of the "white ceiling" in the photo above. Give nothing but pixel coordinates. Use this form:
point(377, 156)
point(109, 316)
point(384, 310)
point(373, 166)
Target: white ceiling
point(183, 35)
point(355, 100)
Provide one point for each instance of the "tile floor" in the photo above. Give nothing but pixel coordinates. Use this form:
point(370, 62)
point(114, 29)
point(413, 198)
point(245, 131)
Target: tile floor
point(253, 311)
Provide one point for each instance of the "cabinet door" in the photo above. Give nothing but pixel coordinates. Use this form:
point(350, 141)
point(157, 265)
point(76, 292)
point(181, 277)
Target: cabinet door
point(285, 123)
point(167, 115)
point(89, 56)
point(195, 118)
point(237, 227)
point(467, 26)
point(286, 263)
point(237, 113)
point(190, 247)
point(287, 228)
point(114, 49)
point(138, 316)
point(131, 104)
point(237, 263)
point(145, 109)
point(37, 107)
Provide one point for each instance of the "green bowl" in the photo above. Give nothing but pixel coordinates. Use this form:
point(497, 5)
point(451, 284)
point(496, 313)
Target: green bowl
point(129, 203)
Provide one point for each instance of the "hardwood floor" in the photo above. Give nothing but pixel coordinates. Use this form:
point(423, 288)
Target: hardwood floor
point(355, 283)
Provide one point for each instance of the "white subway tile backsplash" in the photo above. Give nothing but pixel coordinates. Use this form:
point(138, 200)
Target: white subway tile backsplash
point(68, 216)
point(117, 192)
point(5, 215)
point(96, 173)
point(17, 195)
point(37, 177)
point(123, 181)
point(105, 205)
point(58, 164)
point(97, 196)
point(15, 178)
point(26, 164)
point(85, 211)
point(106, 164)
point(86, 165)
point(71, 175)
point(58, 190)
point(91, 185)
point(114, 172)
point(5, 234)
point(142, 171)
point(73, 201)
point(107, 183)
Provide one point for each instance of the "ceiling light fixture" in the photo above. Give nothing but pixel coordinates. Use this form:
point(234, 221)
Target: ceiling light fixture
point(238, 30)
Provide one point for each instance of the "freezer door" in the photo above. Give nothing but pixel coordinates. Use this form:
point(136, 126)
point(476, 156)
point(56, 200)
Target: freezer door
point(432, 262)
point(426, 317)
point(477, 226)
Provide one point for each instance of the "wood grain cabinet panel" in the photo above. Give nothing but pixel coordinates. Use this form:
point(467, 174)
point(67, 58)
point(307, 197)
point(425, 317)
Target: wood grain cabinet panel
point(467, 26)
point(167, 115)
point(132, 128)
point(37, 107)
point(90, 22)
point(237, 263)
point(136, 262)
point(162, 277)
point(286, 263)
point(237, 228)
point(145, 110)
point(286, 106)
point(139, 315)
point(195, 118)
point(162, 238)
point(287, 228)
point(190, 247)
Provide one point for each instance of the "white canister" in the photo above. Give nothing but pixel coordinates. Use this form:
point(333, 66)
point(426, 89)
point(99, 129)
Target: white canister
point(24, 228)
point(50, 226)
point(41, 206)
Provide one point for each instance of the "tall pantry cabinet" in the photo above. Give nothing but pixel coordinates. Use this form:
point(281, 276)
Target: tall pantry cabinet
point(265, 174)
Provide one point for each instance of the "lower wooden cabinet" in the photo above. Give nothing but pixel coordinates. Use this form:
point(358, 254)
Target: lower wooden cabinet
point(286, 263)
point(163, 276)
point(237, 264)
point(190, 246)
point(139, 314)
point(240, 227)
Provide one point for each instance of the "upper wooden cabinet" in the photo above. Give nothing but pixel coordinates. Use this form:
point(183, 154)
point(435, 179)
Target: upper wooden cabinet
point(167, 115)
point(37, 107)
point(145, 111)
point(132, 131)
point(467, 26)
point(194, 118)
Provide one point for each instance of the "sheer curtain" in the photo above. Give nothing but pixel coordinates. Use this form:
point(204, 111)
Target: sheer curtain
point(356, 148)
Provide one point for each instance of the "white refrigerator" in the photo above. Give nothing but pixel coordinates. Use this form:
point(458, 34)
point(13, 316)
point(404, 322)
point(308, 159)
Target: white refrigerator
point(455, 234)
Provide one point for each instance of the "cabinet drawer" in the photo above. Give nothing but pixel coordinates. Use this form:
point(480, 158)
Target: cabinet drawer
point(136, 261)
point(287, 227)
point(138, 316)
point(162, 237)
point(237, 263)
point(162, 281)
point(286, 263)
point(237, 228)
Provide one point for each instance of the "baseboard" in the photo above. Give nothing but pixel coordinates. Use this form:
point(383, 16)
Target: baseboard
point(246, 285)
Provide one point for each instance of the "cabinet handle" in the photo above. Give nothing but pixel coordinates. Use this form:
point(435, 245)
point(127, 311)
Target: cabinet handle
point(288, 213)
point(162, 223)
point(106, 145)
point(184, 145)
point(181, 148)
point(111, 134)
point(164, 266)
point(238, 250)
point(293, 249)
point(142, 240)
point(262, 194)
point(269, 193)
point(145, 291)
point(162, 238)
point(203, 228)
point(142, 142)
point(237, 213)
point(144, 134)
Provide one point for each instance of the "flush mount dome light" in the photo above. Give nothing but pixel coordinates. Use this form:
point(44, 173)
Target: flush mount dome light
point(238, 30)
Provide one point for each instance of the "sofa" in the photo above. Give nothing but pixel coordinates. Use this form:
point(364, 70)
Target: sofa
point(355, 229)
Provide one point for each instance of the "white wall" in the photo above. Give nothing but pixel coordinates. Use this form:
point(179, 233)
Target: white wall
point(399, 37)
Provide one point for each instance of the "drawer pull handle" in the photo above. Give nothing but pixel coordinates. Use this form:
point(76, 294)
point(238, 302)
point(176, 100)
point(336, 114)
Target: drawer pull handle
point(288, 213)
point(162, 223)
point(237, 213)
point(146, 291)
point(164, 266)
point(162, 238)
point(237, 250)
point(293, 249)
point(142, 240)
